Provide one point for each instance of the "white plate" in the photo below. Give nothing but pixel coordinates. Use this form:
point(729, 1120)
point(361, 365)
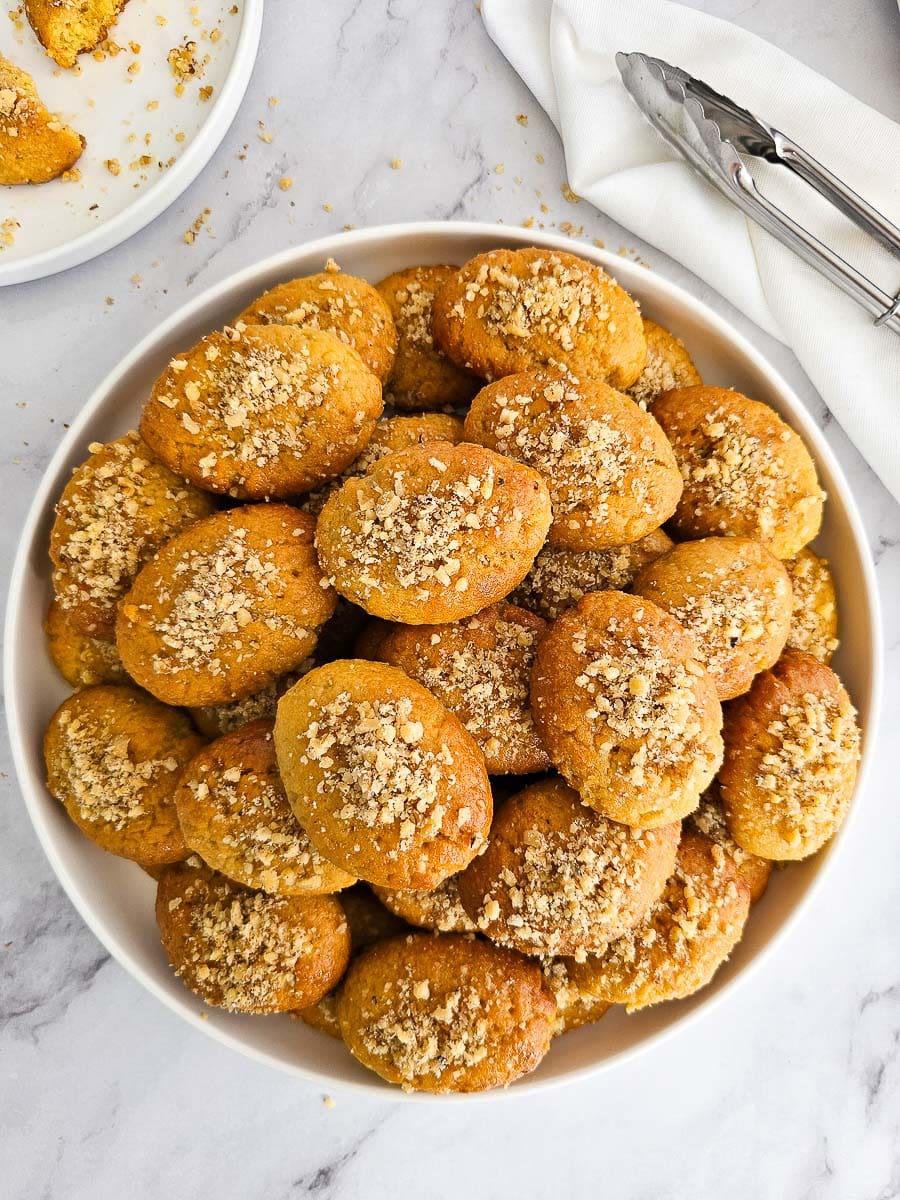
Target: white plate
point(65, 223)
point(116, 898)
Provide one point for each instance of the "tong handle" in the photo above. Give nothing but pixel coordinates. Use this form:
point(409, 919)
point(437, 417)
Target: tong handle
point(844, 198)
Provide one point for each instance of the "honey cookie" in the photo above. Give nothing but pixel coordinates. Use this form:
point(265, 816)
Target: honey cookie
point(214, 720)
point(520, 310)
point(226, 607)
point(440, 910)
point(610, 469)
point(558, 878)
point(35, 145)
point(262, 411)
point(668, 366)
point(480, 668)
point(445, 1013)
point(245, 951)
point(82, 660)
point(387, 782)
point(746, 473)
point(791, 757)
point(67, 28)
point(814, 620)
point(709, 819)
point(683, 941)
point(234, 813)
point(574, 1006)
point(733, 596)
point(115, 512)
point(627, 713)
point(422, 377)
point(559, 577)
point(348, 308)
point(434, 533)
point(113, 756)
point(390, 434)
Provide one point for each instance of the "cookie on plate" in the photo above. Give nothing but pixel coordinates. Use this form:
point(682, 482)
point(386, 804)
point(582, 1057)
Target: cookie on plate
point(226, 607)
point(679, 946)
point(234, 813)
point(35, 145)
point(82, 660)
point(434, 533)
point(558, 878)
point(115, 512)
point(612, 474)
point(262, 411)
point(574, 1006)
point(560, 577)
point(348, 308)
point(385, 780)
point(67, 28)
point(245, 951)
point(791, 757)
point(521, 310)
point(445, 1013)
point(709, 819)
point(440, 910)
point(480, 668)
point(746, 473)
point(113, 757)
point(733, 596)
point(814, 621)
point(214, 720)
point(422, 377)
point(668, 366)
point(629, 716)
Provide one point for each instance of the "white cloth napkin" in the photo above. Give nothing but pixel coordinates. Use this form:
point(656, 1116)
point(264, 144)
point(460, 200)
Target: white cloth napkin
point(564, 50)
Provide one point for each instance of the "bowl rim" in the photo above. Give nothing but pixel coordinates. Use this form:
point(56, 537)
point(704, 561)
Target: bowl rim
point(331, 246)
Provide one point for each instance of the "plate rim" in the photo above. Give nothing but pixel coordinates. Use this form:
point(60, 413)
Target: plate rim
point(331, 245)
point(154, 200)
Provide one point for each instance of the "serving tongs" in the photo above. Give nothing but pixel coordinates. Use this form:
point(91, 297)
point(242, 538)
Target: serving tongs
point(712, 132)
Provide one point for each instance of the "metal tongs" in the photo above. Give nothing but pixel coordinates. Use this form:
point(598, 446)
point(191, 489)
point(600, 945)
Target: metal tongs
point(711, 132)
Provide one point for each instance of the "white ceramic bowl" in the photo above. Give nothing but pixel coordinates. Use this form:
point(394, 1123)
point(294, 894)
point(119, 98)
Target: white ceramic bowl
point(116, 899)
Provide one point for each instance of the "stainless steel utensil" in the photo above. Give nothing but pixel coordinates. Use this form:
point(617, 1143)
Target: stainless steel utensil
point(712, 132)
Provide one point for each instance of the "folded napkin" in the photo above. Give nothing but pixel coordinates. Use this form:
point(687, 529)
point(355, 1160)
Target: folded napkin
point(565, 52)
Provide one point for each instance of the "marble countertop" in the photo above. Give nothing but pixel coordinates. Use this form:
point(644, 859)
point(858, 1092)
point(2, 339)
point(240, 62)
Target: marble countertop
point(792, 1086)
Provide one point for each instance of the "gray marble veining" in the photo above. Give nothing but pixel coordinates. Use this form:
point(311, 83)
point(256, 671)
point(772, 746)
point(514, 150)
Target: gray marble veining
point(789, 1089)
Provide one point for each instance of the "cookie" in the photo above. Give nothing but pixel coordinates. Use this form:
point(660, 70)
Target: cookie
point(439, 910)
point(668, 366)
point(35, 145)
point(82, 660)
point(67, 28)
point(814, 619)
point(709, 819)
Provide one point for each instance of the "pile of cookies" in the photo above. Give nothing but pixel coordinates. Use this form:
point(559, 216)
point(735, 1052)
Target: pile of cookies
point(446, 730)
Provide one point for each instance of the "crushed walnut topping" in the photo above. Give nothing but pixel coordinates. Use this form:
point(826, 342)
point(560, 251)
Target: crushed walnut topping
point(262, 704)
point(105, 780)
point(416, 302)
point(371, 754)
point(660, 374)
point(440, 909)
point(813, 618)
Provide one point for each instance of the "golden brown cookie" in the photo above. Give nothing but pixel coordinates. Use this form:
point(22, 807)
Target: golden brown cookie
point(82, 660)
point(348, 308)
point(709, 819)
point(387, 782)
point(390, 434)
point(439, 910)
point(35, 145)
point(558, 878)
point(520, 310)
point(115, 512)
point(683, 941)
point(480, 668)
point(627, 713)
point(745, 472)
point(113, 757)
point(668, 366)
point(445, 1013)
point(422, 377)
point(814, 622)
point(559, 577)
point(791, 757)
point(234, 813)
point(262, 411)
point(226, 607)
point(733, 596)
point(217, 719)
point(67, 28)
point(245, 951)
point(574, 1006)
point(434, 533)
point(611, 472)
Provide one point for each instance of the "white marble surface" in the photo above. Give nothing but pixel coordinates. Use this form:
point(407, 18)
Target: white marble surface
point(790, 1088)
